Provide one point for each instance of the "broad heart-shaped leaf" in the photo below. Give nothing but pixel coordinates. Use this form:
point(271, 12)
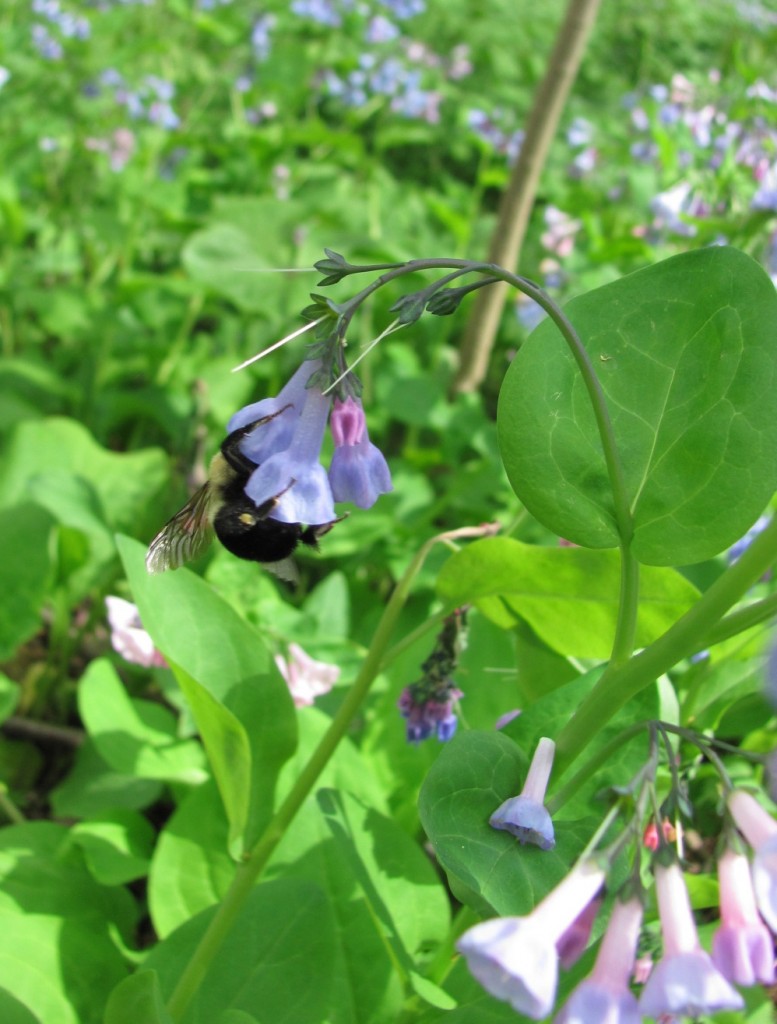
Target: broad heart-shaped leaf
point(569, 596)
point(473, 775)
point(204, 636)
point(228, 749)
point(686, 354)
point(137, 999)
point(276, 963)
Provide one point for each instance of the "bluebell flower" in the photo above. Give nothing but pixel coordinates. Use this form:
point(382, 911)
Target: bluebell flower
point(605, 996)
point(294, 474)
point(742, 948)
point(515, 958)
point(358, 472)
point(685, 981)
point(525, 816)
point(285, 407)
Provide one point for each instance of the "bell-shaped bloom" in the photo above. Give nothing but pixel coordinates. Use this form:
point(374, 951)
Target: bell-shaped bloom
point(685, 981)
point(128, 637)
point(430, 713)
point(515, 958)
point(275, 435)
point(358, 472)
point(294, 476)
point(760, 830)
point(306, 677)
point(525, 816)
point(604, 997)
point(742, 948)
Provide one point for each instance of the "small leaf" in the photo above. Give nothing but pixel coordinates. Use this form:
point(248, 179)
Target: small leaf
point(137, 1000)
point(229, 753)
point(117, 847)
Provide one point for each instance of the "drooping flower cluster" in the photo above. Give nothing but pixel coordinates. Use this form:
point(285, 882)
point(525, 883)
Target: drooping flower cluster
point(428, 704)
point(517, 958)
point(286, 451)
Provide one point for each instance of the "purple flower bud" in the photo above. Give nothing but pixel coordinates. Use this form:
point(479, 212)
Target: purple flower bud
point(358, 472)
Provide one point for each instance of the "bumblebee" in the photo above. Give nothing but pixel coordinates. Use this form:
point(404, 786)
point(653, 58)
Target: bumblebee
point(221, 506)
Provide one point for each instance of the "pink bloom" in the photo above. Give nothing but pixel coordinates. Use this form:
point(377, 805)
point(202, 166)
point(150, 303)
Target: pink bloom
point(604, 996)
point(515, 958)
point(128, 638)
point(525, 816)
point(305, 677)
point(742, 949)
point(685, 981)
point(760, 830)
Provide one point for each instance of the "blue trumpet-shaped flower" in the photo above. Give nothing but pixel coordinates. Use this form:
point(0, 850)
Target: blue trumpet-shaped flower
point(359, 472)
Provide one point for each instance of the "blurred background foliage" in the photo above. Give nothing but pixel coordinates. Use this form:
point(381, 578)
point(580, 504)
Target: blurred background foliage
point(161, 162)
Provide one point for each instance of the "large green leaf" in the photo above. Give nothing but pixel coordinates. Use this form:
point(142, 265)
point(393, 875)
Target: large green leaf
point(686, 354)
point(206, 639)
point(473, 775)
point(276, 963)
point(135, 737)
point(569, 596)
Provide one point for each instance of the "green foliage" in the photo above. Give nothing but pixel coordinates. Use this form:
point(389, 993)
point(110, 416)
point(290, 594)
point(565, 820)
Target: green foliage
point(685, 354)
point(160, 227)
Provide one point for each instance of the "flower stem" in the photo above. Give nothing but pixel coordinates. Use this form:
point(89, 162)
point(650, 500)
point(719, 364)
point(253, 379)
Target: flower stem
point(620, 683)
point(256, 860)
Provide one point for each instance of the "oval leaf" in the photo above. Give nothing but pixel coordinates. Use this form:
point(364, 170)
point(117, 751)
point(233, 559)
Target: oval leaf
point(686, 353)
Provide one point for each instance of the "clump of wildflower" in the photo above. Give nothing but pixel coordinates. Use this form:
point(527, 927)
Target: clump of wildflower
point(515, 958)
point(306, 677)
point(428, 704)
point(525, 816)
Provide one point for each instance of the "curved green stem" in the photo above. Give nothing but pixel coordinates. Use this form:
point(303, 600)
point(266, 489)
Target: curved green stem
point(620, 683)
point(254, 863)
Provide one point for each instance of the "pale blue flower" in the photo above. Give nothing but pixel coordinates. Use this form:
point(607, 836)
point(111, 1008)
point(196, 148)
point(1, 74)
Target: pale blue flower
point(358, 472)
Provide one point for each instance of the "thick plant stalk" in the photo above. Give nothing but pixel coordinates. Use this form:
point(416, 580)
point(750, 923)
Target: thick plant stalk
point(518, 200)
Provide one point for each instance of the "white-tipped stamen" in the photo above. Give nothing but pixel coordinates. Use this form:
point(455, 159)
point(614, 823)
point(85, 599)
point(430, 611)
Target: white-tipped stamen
point(395, 325)
point(278, 344)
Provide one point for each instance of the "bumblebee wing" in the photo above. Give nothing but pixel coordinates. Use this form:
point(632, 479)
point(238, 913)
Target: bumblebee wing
point(184, 537)
point(286, 569)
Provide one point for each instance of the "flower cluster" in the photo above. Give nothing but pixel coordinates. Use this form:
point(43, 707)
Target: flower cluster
point(517, 959)
point(428, 704)
point(286, 451)
point(67, 26)
point(150, 101)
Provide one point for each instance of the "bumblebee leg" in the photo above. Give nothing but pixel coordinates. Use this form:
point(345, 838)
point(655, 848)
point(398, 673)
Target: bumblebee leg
point(230, 447)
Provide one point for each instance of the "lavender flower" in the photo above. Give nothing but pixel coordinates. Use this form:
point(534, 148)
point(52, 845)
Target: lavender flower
point(128, 637)
point(358, 472)
point(515, 958)
point(525, 816)
point(685, 981)
point(428, 703)
point(604, 996)
point(742, 948)
point(760, 830)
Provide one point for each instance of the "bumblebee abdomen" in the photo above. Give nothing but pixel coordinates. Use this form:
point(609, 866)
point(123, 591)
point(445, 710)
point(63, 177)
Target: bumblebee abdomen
point(258, 539)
